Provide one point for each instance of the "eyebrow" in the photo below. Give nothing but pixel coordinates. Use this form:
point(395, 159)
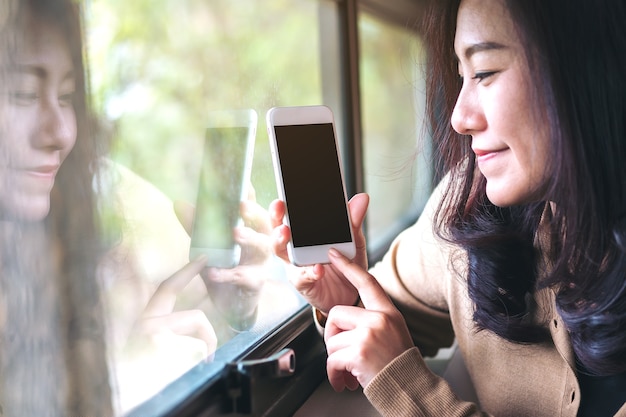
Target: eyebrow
point(37, 71)
point(481, 47)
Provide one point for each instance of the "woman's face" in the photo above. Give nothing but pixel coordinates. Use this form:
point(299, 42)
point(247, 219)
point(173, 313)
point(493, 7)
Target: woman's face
point(494, 106)
point(39, 122)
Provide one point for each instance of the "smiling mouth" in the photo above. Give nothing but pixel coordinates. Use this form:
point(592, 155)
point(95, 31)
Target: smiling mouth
point(43, 171)
point(485, 155)
point(482, 154)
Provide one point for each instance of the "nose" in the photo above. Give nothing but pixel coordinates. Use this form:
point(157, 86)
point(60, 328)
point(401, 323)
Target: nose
point(468, 116)
point(57, 125)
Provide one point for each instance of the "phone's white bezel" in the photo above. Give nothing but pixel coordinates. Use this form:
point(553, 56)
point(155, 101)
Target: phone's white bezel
point(248, 118)
point(304, 115)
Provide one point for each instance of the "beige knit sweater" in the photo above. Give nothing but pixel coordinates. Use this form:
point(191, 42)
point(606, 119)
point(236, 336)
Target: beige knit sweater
point(425, 278)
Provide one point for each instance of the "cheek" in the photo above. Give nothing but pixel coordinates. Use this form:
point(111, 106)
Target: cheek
point(72, 135)
point(526, 136)
point(537, 166)
point(71, 121)
point(528, 173)
point(533, 149)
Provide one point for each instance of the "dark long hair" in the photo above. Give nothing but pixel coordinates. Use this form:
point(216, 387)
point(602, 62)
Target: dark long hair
point(73, 219)
point(575, 53)
point(66, 254)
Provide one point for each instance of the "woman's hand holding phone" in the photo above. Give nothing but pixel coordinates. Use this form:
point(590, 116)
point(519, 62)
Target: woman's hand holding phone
point(333, 288)
point(323, 286)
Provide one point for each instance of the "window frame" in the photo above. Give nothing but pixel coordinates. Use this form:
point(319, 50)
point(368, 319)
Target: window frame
point(346, 97)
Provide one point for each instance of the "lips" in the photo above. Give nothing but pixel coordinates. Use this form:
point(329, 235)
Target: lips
point(42, 170)
point(481, 153)
point(487, 157)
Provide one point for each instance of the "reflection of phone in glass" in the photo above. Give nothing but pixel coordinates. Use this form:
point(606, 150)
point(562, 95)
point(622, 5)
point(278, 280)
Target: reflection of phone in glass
point(223, 184)
point(310, 182)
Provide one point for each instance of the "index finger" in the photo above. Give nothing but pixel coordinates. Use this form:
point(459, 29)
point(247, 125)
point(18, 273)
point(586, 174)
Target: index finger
point(164, 298)
point(372, 294)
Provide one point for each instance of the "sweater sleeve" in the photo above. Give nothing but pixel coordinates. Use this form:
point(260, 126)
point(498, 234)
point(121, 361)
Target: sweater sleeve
point(406, 387)
point(415, 272)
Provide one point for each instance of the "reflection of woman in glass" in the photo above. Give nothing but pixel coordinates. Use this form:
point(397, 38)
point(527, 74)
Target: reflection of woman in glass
point(52, 336)
point(52, 351)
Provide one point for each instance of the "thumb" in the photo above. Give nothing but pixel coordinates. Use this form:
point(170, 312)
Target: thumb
point(358, 207)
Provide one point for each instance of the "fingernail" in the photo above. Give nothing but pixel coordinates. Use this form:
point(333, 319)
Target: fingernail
point(334, 253)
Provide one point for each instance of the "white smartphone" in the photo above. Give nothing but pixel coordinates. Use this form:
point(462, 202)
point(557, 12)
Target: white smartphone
point(223, 184)
point(309, 179)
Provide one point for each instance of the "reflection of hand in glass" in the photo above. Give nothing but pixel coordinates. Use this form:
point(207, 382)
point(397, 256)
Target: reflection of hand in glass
point(160, 320)
point(235, 291)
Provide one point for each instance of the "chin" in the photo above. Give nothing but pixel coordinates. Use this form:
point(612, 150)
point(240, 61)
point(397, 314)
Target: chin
point(34, 211)
point(503, 196)
point(509, 194)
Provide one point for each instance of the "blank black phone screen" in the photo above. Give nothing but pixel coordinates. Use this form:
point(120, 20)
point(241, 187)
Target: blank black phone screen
point(220, 186)
point(313, 184)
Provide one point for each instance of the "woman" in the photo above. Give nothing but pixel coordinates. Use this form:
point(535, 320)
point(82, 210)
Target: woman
point(53, 346)
point(52, 356)
point(519, 253)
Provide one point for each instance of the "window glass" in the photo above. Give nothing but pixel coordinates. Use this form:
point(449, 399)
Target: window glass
point(396, 147)
point(179, 87)
point(160, 72)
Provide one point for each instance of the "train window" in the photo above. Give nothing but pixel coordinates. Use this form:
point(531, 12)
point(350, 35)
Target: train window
point(159, 71)
point(158, 74)
point(396, 147)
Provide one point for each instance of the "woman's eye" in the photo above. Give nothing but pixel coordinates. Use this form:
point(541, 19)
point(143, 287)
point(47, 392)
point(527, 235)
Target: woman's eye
point(22, 98)
point(66, 99)
point(480, 76)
